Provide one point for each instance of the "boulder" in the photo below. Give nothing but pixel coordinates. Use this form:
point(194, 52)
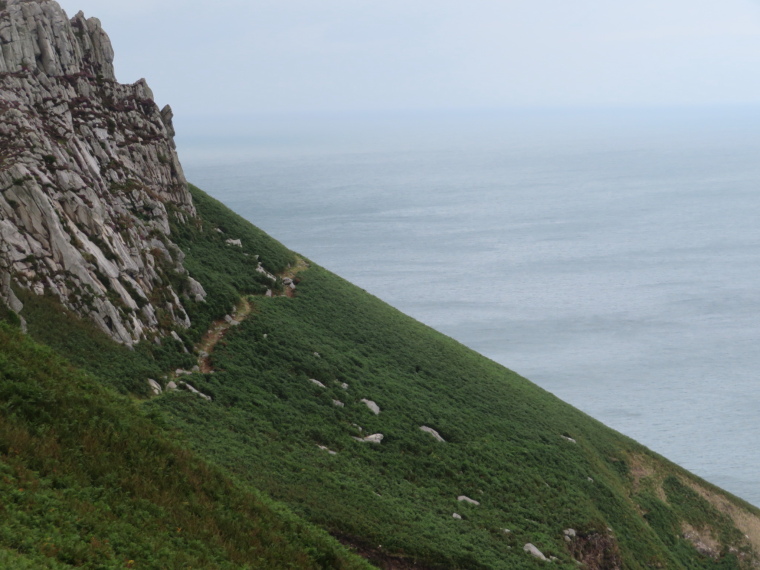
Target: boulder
point(235, 242)
point(317, 382)
point(374, 438)
point(532, 550)
point(374, 408)
point(155, 386)
point(457, 516)
point(195, 290)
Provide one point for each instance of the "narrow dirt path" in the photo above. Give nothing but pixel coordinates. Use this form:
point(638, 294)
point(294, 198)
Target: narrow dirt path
point(242, 310)
point(217, 330)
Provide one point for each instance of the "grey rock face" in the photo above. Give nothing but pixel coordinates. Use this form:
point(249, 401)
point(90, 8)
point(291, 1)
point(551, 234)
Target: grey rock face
point(89, 178)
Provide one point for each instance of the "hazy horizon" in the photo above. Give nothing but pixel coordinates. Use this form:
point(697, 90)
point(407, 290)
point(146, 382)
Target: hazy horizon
point(244, 57)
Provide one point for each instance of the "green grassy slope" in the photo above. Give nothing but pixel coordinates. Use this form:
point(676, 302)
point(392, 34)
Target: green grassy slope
point(537, 466)
point(87, 480)
point(506, 443)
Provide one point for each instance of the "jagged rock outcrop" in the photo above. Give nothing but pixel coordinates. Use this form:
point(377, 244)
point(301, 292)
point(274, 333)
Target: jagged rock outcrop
point(89, 178)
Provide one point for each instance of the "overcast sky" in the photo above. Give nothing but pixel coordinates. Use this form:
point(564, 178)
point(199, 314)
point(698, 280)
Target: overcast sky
point(274, 56)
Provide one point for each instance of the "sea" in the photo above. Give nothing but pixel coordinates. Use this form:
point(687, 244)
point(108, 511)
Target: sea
point(610, 256)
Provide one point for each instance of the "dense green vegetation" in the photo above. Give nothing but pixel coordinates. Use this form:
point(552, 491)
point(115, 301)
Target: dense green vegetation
point(506, 439)
point(537, 466)
point(87, 480)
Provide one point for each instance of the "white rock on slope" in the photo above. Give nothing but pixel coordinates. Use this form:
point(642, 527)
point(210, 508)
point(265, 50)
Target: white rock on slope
point(466, 499)
point(374, 438)
point(374, 408)
point(531, 549)
point(434, 433)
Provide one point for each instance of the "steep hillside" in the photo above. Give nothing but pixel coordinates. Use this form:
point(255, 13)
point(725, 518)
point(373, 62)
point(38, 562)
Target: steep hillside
point(539, 469)
point(238, 418)
point(87, 480)
point(294, 384)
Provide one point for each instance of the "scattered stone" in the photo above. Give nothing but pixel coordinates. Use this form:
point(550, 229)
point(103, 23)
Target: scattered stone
point(344, 386)
point(374, 438)
point(327, 449)
point(457, 516)
point(268, 293)
point(357, 426)
point(195, 290)
point(434, 433)
point(171, 386)
point(372, 406)
point(181, 372)
point(506, 531)
point(570, 439)
point(218, 230)
point(590, 480)
point(317, 382)
point(266, 335)
point(196, 368)
point(570, 533)
point(530, 549)
point(260, 269)
point(466, 499)
point(203, 354)
point(338, 404)
point(194, 391)
point(155, 386)
point(231, 321)
point(287, 281)
point(317, 355)
point(236, 242)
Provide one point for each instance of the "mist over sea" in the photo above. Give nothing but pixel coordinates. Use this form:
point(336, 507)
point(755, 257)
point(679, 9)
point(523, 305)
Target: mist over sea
point(611, 257)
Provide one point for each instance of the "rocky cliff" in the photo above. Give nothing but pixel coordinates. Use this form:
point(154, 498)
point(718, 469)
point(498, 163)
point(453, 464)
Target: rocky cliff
point(89, 179)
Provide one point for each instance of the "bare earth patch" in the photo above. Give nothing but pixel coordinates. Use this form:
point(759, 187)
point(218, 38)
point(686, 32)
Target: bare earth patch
point(702, 539)
point(747, 522)
point(643, 470)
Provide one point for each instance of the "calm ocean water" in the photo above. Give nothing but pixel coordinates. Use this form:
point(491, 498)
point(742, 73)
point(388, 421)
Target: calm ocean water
point(614, 262)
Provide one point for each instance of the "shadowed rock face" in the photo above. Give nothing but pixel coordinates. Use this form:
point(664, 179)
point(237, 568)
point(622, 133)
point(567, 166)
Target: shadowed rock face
point(89, 178)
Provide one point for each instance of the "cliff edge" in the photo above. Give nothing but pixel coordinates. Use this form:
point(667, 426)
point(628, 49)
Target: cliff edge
point(89, 179)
